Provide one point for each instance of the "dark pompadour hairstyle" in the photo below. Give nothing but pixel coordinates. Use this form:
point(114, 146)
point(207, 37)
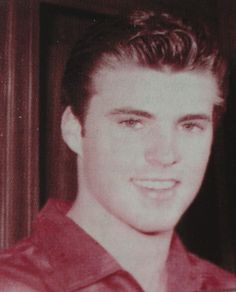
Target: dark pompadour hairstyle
point(149, 38)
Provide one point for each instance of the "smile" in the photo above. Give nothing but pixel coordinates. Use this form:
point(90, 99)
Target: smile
point(155, 184)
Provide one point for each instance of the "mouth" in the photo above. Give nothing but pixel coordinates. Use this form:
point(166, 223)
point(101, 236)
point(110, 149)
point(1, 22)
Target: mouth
point(155, 184)
point(156, 188)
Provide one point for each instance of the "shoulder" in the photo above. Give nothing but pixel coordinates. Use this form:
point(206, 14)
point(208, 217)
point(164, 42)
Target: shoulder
point(8, 285)
point(189, 272)
point(28, 266)
point(211, 275)
point(23, 268)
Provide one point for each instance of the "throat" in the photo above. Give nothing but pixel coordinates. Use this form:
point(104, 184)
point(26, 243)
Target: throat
point(143, 255)
point(145, 258)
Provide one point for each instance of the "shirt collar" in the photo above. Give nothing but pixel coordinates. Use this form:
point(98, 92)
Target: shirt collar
point(81, 261)
point(182, 274)
point(71, 251)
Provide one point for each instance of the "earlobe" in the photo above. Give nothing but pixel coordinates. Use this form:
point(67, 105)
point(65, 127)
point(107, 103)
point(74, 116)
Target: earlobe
point(71, 131)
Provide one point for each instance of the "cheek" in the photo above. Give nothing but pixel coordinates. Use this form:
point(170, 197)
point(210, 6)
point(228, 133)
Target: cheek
point(121, 151)
point(196, 156)
point(106, 156)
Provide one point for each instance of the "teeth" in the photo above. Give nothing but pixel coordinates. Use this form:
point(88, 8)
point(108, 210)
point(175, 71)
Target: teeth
point(158, 185)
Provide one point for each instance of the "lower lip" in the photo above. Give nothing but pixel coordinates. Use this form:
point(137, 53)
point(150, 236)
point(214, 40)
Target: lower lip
point(158, 194)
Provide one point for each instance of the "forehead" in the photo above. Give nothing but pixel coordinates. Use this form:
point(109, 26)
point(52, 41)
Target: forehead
point(133, 86)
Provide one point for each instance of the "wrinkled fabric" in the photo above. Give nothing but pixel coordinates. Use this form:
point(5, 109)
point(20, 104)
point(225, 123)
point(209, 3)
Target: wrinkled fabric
point(61, 257)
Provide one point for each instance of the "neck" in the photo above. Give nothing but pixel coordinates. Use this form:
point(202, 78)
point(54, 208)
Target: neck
point(143, 255)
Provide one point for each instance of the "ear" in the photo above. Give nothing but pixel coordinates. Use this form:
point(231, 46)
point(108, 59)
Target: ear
point(71, 131)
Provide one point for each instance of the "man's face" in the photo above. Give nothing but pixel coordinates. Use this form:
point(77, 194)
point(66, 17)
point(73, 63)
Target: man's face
point(148, 137)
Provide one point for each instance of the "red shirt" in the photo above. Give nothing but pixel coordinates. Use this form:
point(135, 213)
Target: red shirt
point(60, 256)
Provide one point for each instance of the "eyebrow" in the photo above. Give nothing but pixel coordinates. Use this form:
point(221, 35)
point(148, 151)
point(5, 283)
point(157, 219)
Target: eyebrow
point(130, 111)
point(192, 117)
point(140, 113)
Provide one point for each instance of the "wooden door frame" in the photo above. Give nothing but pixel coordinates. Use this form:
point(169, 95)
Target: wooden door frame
point(19, 118)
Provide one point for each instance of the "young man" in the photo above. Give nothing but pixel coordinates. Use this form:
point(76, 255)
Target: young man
point(143, 94)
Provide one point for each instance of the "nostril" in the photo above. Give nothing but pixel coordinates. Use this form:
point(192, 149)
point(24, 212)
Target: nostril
point(162, 145)
point(165, 157)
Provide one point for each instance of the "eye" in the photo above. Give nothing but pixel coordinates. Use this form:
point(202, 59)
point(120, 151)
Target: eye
point(132, 123)
point(193, 127)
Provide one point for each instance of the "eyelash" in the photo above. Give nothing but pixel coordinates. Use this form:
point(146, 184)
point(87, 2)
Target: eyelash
point(191, 126)
point(131, 123)
point(137, 124)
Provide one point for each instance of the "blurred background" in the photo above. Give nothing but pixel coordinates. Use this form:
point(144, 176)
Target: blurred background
point(35, 39)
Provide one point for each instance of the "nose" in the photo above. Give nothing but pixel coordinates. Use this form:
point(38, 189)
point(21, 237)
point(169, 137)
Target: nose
point(162, 150)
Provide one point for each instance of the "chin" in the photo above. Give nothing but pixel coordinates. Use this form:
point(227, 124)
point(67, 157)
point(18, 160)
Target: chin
point(154, 228)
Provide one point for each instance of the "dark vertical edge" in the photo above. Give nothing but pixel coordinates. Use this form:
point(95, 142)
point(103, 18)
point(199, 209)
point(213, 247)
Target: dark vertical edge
point(224, 175)
point(5, 39)
point(19, 139)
